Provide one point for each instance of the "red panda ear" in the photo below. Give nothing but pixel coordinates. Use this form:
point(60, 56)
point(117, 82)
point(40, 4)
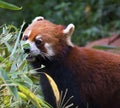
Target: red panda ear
point(69, 30)
point(39, 18)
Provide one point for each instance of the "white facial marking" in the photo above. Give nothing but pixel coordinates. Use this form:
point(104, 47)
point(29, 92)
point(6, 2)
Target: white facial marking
point(28, 33)
point(33, 49)
point(68, 28)
point(49, 49)
point(38, 18)
point(38, 37)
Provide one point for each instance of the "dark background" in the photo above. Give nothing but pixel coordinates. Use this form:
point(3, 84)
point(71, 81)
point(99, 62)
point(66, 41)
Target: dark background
point(93, 18)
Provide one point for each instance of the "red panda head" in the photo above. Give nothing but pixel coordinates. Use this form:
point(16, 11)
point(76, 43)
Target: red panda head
point(47, 39)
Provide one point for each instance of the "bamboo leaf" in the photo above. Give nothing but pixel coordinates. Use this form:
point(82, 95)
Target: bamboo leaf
point(9, 6)
point(30, 96)
point(104, 47)
point(6, 101)
point(23, 96)
point(18, 39)
point(8, 82)
point(27, 79)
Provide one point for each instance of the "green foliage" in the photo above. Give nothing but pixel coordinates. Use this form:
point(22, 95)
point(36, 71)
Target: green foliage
point(93, 18)
point(18, 87)
point(8, 6)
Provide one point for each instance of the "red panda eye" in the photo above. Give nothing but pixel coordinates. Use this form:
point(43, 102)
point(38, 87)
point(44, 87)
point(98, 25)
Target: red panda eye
point(38, 42)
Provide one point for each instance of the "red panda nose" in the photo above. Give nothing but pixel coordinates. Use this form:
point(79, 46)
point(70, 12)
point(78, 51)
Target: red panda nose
point(26, 50)
point(26, 47)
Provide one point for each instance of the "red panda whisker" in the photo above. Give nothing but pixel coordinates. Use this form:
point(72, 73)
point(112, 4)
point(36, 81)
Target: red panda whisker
point(42, 54)
point(47, 56)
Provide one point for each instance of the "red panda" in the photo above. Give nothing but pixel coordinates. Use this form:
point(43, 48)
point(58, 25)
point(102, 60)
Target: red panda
point(91, 76)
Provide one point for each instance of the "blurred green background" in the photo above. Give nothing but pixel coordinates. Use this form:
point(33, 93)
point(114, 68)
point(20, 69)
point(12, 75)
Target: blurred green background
point(93, 18)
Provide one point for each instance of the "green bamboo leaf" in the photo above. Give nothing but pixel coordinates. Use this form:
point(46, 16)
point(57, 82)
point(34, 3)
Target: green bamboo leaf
point(6, 101)
point(8, 82)
point(27, 79)
point(18, 39)
point(23, 96)
point(104, 47)
point(9, 48)
point(34, 99)
point(9, 6)
point(25, 45)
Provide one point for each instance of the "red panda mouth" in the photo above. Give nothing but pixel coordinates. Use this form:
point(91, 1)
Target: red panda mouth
point(30, 58)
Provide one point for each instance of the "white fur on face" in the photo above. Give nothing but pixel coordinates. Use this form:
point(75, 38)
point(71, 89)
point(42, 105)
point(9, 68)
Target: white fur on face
point(49, 49)
point(38, 37)
point(28, 33)
point(33, 49)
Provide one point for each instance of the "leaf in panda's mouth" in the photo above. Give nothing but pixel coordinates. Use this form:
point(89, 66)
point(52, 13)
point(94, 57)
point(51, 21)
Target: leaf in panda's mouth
point(30, 58)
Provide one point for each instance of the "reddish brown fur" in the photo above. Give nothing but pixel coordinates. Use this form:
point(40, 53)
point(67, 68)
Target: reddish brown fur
point(98, 73)
point(44, 27)
point(93, 74)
